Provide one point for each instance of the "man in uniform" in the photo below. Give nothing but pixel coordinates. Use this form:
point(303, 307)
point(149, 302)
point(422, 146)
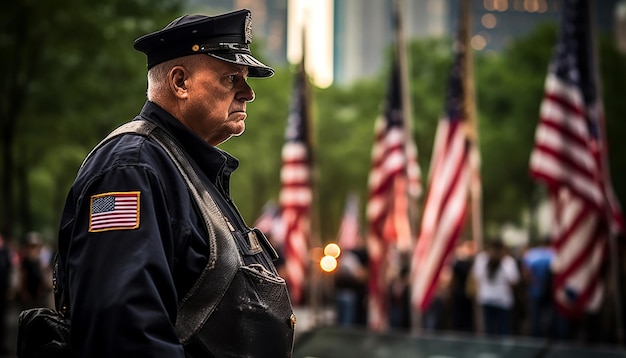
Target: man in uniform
point(134, 248)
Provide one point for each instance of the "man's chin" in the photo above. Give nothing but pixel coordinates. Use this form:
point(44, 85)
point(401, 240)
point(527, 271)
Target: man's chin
point(232, 135)
point(240, 132)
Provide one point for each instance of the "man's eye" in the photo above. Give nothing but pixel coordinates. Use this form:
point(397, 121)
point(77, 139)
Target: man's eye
point(232, 78)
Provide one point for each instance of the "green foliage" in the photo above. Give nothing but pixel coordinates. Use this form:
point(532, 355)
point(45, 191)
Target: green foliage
point(509, 92)
point(345, 129)
point(68, 78)
point(613, 73)
point(510, 88)
point(431, 61)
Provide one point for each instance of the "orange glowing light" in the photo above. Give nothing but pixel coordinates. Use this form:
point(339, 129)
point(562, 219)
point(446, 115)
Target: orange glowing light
point(328, 263)
point(333, 250)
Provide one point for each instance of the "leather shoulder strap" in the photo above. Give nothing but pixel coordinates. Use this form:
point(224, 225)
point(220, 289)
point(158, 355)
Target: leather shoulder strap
point(197, 305)
point(141, 127)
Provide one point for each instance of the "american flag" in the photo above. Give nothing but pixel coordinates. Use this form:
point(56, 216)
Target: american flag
point(349, 235)
point(114, 211)
point(387, 206)
point(569, 157)
point(414, 173)
point(448, 187)
point(296, 195)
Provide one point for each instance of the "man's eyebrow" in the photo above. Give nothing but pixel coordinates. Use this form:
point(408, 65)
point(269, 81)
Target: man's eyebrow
point(239, 68)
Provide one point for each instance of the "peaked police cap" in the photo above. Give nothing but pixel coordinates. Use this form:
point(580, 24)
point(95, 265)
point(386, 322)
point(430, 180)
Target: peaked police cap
point(226, 37)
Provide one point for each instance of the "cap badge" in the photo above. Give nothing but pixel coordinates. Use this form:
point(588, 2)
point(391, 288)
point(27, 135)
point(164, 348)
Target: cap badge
point(248, 29)
point(195, 48)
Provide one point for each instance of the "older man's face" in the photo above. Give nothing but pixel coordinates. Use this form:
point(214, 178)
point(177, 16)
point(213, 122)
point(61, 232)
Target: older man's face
point(217, 94)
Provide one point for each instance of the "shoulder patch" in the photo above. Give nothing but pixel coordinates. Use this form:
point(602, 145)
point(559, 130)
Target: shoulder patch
point(114, 211)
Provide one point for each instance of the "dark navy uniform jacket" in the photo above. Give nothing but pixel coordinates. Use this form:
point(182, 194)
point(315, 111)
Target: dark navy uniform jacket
point(131, 241)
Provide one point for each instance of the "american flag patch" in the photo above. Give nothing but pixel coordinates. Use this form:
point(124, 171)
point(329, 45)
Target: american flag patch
point(114, 211)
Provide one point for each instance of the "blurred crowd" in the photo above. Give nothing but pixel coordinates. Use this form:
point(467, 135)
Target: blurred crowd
point(25, 282)
point(496, 291)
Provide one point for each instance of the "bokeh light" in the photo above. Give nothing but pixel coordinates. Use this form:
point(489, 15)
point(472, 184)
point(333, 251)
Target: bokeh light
point(535, 5)
point(489, 21)
point(496, 5)
point(328, 263)
point(316, 254)
point(333, 250)
point(478, 42)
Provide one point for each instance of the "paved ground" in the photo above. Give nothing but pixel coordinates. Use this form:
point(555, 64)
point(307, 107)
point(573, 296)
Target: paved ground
point(334, 342)
point(327, 341)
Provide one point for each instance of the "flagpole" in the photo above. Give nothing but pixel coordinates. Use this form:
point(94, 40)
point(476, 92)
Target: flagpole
point(401, 55)
point(407, 110)
point(317, 285)
point(404, 244)
point(613, 247)
point(471, 128)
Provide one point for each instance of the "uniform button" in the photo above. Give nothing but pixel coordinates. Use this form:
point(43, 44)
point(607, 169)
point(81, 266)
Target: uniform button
point(292, 320)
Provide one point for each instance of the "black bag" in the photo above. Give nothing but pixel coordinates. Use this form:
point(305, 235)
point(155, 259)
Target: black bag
point(43, 333)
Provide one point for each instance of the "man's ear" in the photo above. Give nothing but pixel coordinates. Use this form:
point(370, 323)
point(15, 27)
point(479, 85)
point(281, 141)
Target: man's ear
point(178, 78)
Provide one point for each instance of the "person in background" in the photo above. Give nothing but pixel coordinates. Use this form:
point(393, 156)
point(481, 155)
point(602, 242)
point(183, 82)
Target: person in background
point(351, 288)
point(436, 316)
point(134, 247)
point(462, 301)
point(495, 273)
point(400, 298)
point(34, 286)
point(537, 274)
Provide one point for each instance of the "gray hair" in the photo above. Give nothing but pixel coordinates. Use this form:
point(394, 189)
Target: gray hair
point(157, 75)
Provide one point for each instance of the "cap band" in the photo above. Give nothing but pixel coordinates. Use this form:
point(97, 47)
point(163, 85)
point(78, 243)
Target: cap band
point(222, 46)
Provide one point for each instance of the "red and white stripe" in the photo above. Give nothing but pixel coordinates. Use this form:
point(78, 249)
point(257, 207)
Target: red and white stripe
point(568, 158)
point(386, 221)
point(349, 235)
point(444, 211)
point(413, 171)
point(296, 198)
point(123, 215)
point(270, 223)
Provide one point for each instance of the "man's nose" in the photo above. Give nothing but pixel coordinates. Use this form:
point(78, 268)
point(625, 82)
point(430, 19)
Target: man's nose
point(247, 93)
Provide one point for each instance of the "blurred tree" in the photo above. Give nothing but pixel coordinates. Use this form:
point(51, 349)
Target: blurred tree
point(612, 66)
point(68, 78)
point(344, 133)
point(510, 89)
point(509, 93)
point(343, 125)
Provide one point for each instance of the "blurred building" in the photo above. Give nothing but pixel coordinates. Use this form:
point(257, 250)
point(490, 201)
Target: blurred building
point(352, 37)
point(364, 32)
point(269, 23)
point(495, 23)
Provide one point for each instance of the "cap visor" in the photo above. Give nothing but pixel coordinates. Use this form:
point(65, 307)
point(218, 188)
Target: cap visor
point(255, 67)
